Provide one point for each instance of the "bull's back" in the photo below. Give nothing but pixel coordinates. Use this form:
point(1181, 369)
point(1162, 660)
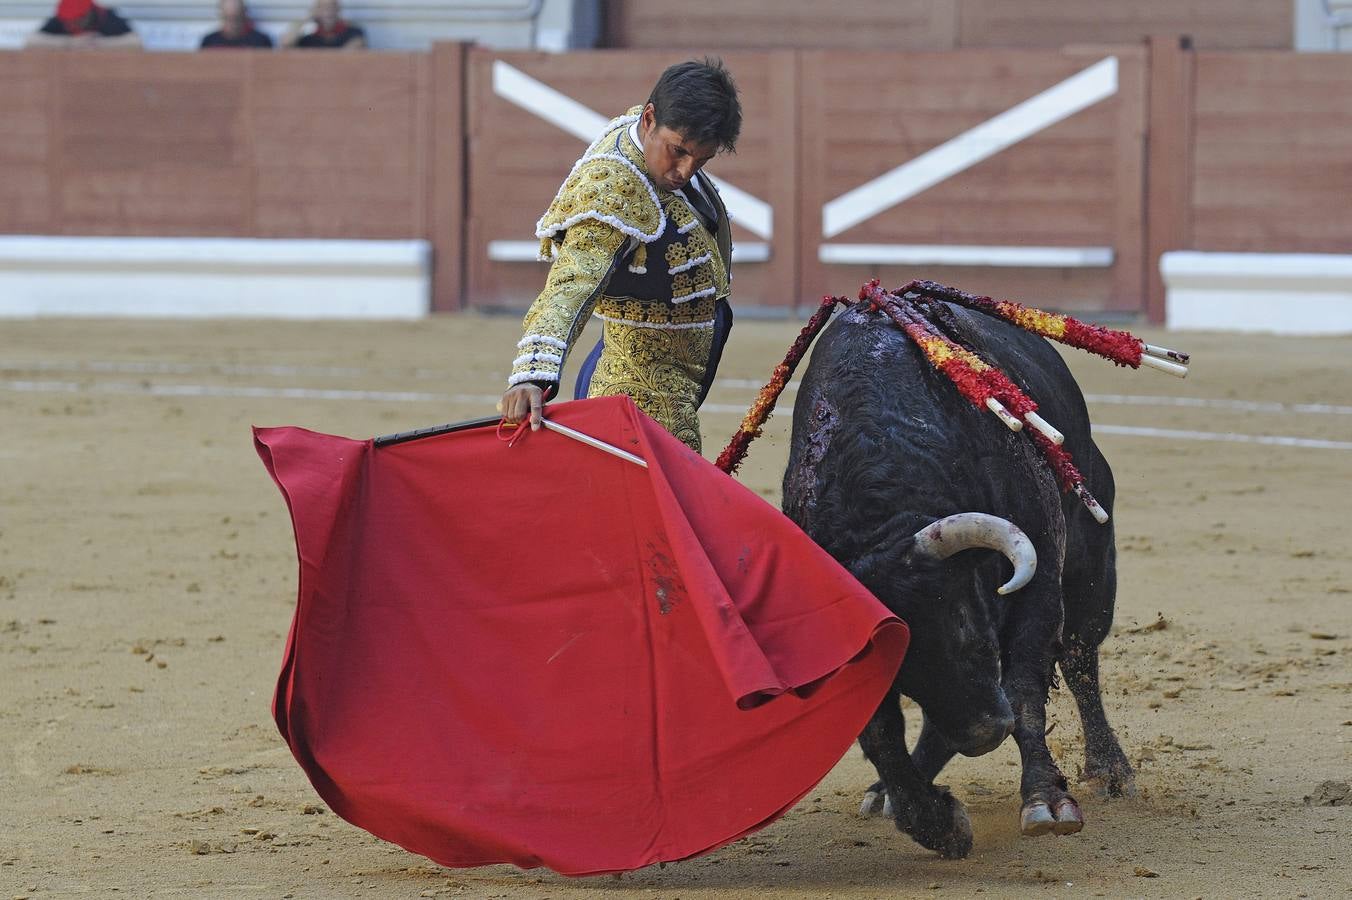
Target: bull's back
point(869, 387)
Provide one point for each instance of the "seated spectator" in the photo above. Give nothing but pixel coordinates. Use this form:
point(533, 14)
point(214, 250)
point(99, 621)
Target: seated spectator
point(83, 23)
point(326, 28)
point(237, 29)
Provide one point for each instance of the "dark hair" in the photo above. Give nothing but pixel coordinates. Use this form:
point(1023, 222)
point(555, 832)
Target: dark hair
point(698, 100)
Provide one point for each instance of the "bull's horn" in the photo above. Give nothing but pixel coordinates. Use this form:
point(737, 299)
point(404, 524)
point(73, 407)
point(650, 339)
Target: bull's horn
point(963, 531)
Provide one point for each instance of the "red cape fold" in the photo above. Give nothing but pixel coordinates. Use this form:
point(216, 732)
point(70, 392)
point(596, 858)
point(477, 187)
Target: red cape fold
point(547, 656)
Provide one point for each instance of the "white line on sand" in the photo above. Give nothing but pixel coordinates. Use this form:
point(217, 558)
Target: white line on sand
point(228, 390)
point(285, 393)
point(152, 367)
point(1227, 436)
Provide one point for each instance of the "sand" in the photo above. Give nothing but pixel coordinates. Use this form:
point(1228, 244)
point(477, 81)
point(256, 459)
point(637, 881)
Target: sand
point(147, 579)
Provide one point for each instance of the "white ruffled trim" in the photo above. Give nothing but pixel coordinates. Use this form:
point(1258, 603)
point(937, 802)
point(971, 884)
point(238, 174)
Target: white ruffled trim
point(537, 357)
point(542, 232)
point(661, 326)
point(689, 226)
point(686, 266)
point(618, 122)
point(686, 298)
point(532, 376)
point(541, 339)
point(639, 270)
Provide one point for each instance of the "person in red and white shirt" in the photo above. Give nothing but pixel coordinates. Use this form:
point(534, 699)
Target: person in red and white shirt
point(84, 24)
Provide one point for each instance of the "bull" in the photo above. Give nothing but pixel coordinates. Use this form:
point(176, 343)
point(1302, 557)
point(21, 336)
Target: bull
point(898, 478)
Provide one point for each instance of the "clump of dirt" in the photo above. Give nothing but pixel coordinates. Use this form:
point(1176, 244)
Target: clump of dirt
point(1331, 793)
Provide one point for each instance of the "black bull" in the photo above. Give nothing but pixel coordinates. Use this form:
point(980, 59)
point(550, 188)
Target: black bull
point(883, 446)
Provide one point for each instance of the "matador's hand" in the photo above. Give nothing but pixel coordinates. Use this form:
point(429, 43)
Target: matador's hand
point(521, 401)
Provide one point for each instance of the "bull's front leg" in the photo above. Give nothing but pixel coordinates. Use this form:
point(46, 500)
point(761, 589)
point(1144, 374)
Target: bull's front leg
point(1047, 803)
point(932, 816)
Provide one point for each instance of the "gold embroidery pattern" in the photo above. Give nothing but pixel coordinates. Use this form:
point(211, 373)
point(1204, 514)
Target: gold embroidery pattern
point(571, 290)
point(627, 309)
point(677, 255)
point(655, 351)
point(661, 369)
point(606, 188)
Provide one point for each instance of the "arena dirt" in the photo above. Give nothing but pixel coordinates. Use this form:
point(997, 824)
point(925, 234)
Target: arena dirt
point(147, 579)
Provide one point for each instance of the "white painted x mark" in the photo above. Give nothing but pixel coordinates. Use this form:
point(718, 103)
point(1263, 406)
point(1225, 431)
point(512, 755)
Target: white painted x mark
point(1080, 91)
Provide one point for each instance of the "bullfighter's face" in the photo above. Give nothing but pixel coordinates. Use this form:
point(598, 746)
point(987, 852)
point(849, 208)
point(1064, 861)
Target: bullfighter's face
point(671, 158)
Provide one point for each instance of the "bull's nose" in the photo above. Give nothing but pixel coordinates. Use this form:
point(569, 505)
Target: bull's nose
point(987, 734)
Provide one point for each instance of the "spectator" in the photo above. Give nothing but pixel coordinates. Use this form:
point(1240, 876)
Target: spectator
point(83, 23)
point(325, 28)
point(237, 29)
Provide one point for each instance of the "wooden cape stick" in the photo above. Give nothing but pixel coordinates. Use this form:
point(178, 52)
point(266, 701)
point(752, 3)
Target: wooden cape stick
point(404, 437)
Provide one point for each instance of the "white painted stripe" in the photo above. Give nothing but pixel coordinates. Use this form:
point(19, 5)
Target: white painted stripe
point(955, 254)
point(529, 251)
point(1208, 266)
point(514, 251)
point(1210, 403)
point(1059, 102)
point(539, 99)
point(225, 390)
point(966, 255)
point(562, 111)
point(750, 251)
point(152, 367)
point(1225, 436)
point(292, 393)
point(749, 211)
point(170, 368)
point(141, 253)
point(1132, 400)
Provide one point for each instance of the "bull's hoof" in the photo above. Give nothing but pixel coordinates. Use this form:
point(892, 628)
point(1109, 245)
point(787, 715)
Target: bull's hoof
point(876, 803)
point(943, 828)
point(1038, 818)
point(1114, 779)
point(1069, 819)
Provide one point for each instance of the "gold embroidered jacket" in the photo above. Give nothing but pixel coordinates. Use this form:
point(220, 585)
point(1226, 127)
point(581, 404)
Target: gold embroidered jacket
point(642, 260)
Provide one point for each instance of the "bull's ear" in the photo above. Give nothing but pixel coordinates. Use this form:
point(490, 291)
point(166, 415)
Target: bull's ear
point(965, 531)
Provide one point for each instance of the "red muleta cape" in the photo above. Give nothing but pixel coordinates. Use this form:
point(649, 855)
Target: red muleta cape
point(547, 656)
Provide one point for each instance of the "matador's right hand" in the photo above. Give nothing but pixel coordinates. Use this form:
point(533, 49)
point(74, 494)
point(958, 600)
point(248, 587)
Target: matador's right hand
point(520, 401)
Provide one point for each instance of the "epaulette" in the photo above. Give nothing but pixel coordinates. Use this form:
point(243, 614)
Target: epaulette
point(605, 186)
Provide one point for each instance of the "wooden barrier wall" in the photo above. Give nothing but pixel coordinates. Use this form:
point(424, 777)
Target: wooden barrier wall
point(1072, 187)
point(1178, 149)
point(1272, 153)
point(891, 25)
point(237, 145)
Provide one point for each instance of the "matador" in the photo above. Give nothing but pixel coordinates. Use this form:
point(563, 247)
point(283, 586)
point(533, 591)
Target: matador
point(639, 238)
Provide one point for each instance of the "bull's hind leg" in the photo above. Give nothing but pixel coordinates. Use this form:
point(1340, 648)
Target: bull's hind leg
point(1105, 765)
point(1090, 586)
point(927, 812)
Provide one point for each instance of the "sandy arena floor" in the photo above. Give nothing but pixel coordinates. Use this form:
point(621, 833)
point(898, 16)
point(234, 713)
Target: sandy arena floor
point(147, 579)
